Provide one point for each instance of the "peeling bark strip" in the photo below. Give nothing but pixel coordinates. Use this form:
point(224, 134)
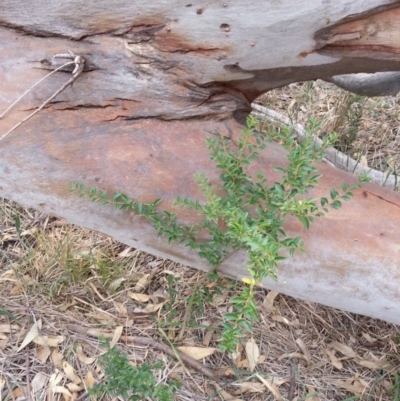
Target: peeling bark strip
point(374, 33)
point(161, 76)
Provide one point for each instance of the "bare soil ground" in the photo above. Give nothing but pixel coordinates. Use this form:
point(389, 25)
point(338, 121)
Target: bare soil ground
point(63, 287)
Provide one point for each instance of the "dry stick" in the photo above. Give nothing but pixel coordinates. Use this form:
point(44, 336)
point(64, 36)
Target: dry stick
point(79, 64)
point(164, 348)
point(292, 385)
point(148, 342)
point(28, 383)
point(36, 84)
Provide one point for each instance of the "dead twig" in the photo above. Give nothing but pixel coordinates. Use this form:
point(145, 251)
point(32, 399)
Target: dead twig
point(164, 348)
point(152, 344)
point(79, 62)
point(292, 385)
point(28, 383)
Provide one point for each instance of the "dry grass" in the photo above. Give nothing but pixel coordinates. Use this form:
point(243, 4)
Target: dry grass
point(80, 284)
point(369, 127)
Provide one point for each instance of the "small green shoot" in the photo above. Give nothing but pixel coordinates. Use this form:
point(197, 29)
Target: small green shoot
point(133, 383)
point(251, 209)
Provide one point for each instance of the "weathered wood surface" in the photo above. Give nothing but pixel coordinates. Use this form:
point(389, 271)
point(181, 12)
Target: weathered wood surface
point(377, 84)
point(160, 77)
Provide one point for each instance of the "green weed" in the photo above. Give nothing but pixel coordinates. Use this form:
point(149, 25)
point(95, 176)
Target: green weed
point(134, 383)
point(252, 209)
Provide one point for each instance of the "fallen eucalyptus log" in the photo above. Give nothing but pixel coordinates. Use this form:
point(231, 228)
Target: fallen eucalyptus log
point(158, 78)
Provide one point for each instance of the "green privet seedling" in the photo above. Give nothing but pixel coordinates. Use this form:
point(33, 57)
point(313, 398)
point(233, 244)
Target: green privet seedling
point(133, 383)
point(246, 211)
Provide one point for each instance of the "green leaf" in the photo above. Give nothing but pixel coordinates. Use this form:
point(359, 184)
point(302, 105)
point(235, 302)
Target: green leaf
point(324, 201)
point(231, 316)
point(17, 222)
point(280, 190)
point(246, 325)
point(280, 170)
point(334, 193)
point(336, 204)
point(305, 221)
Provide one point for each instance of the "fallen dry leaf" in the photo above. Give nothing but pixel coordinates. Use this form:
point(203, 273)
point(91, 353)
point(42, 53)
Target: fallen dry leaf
point(89, 380)
point(252, 353)
point(304, 348)
point(224, 394)
point(103, 318)
point(268, 302)
point(75, 387)
point(55, 378)
point(125, 253)
point(56, 357)
point(50, 341)
point(249, 387)
point(262, 359)
point(8, 275)
point(16, 290)
point(61, 390)
point(8, 328)
point(39, 381)
point(207, 337)
point(32, 334)
point(352, 385)
point(312, 394)
point(368, 337)
point(225, 372)
point(28, 280)
point(142, 283)
point(116, 283)
point(116, 336)
point(374, 364)
point(30, 231)
point(151, 308)
point(364, 160)
point(343, 349)
point(18, 392)
point(82, 357)
point(272, 387)
point(242, 364)
point(197, 352)
point(42, 353)
point(236, 357)
point(137, 296)
point(279, 318)
point(120, 307)
point(70, 373)
point(335, 361)
point(293, 355)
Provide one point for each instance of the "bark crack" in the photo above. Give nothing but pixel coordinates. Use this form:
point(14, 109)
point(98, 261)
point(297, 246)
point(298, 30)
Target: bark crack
point(365, 192)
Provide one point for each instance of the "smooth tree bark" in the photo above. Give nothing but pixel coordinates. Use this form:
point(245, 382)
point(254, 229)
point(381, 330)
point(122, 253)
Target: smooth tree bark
point(377, 84)
point(159, 77)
